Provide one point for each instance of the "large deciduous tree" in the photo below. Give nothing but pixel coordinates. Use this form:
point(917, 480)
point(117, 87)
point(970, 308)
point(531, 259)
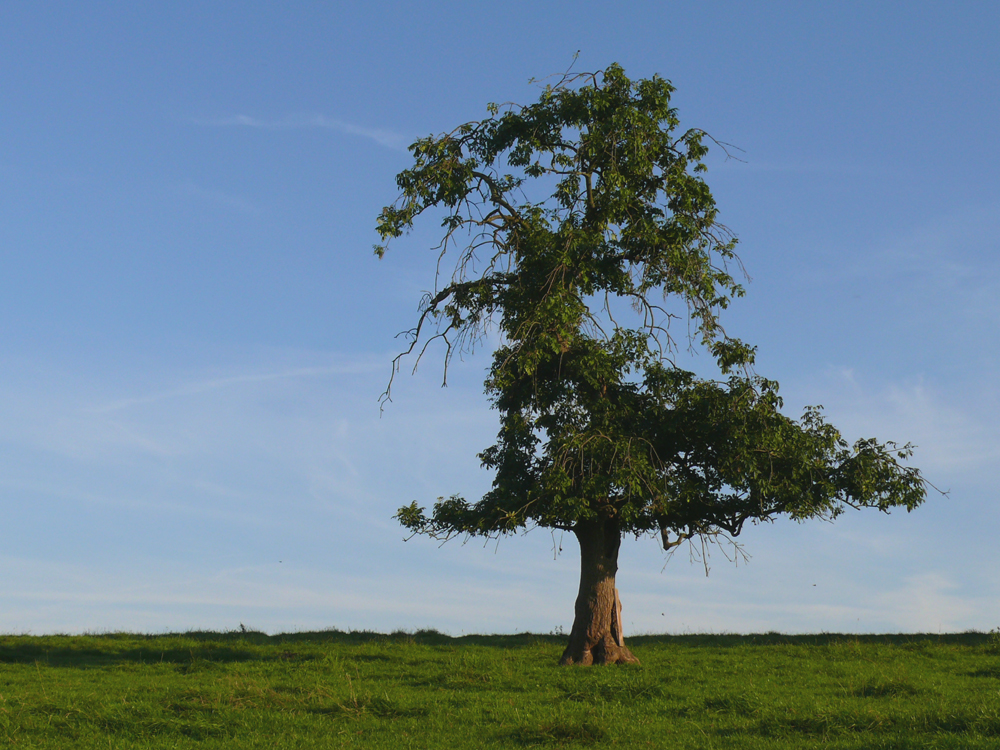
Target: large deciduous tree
point(579, 228)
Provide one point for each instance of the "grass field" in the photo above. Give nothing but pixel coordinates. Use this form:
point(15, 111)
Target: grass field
point(425, 690)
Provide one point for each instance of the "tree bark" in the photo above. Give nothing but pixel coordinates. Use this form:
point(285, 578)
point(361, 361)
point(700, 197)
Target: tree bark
point(596, 637)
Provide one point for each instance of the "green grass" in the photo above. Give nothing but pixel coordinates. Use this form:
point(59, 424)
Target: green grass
point(425, 690)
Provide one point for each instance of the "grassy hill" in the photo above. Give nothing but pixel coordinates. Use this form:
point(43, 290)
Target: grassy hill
point(426, 690)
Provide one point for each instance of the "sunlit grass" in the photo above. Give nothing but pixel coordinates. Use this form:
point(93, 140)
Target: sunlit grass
point(426, 690)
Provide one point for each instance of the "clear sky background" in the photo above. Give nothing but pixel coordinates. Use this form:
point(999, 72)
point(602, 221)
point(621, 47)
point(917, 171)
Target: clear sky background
point(194, 332)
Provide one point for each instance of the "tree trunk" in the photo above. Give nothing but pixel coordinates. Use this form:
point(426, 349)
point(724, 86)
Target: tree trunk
point(596, 637)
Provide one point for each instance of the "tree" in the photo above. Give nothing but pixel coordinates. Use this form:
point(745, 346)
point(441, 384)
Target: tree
point(555, 215)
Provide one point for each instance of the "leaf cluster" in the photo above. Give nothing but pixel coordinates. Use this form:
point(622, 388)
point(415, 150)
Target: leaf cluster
point(554, 214)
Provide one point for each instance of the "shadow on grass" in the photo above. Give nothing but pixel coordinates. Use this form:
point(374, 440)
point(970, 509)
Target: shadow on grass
point(199, 649)
point(992, 672)
point(724, 640)
point(578, 733)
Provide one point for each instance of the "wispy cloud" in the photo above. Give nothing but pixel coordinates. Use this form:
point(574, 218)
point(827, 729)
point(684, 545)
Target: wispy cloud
point(932, 601)
point(816, 594)
point(954, 431)
point(147, 597)
point(951, 256)
point(203, 386)
point(381, 136)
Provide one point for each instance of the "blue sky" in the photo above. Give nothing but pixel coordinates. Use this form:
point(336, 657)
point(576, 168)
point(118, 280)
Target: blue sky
point(194, 332)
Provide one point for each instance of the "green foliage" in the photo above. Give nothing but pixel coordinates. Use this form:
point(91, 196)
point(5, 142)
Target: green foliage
point(426, 690)
point(557, 215)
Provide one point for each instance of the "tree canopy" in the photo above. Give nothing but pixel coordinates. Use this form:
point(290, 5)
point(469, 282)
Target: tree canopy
point(580, 230)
